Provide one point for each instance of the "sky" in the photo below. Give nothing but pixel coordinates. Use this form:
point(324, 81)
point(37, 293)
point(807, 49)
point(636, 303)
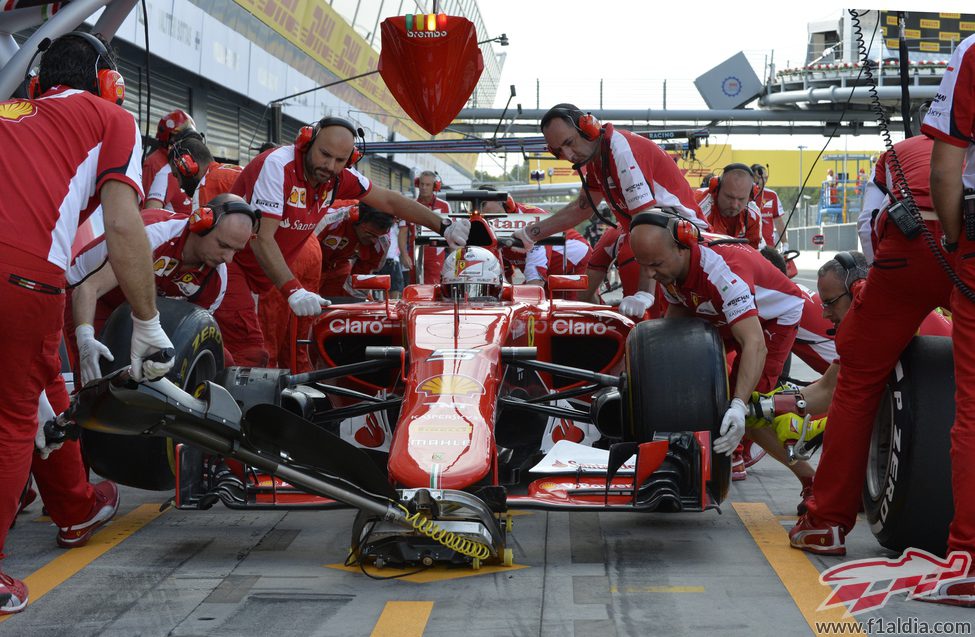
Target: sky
point(633, 45)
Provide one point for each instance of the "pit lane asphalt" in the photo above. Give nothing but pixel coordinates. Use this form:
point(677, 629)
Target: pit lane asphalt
point(229, 573)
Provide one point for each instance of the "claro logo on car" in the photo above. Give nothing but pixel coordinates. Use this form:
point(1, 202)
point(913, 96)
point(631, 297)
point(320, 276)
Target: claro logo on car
point(350, 326)
point(569, 327)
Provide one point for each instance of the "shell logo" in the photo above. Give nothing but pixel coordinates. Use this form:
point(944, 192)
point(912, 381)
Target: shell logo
point(297, 197)
point(451, 385)
point(16, 110)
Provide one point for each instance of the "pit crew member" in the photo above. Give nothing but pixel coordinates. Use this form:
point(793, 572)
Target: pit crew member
point(190, 257)
point(292, 187)
point(881, 321)
point(755, 307)
point(354, 240)
point(773, 219)
point(428, 184)
point(170, 127)
point(729, 207)
point(190, 177)
point(951, 122)
point(97, 160)
point(630, 172)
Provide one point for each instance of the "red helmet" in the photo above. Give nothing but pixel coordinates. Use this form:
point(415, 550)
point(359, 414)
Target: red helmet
point(174, 122)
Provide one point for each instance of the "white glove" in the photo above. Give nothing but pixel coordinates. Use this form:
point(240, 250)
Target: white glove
point(732, 428)
point(45, 412)
point(457, 233)
point(148, 338)
point(306, 303)
point(635, 306)
point(522, 235)
point(89, 351)
point(784, 246)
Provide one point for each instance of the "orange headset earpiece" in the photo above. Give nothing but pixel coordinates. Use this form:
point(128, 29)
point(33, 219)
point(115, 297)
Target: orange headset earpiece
point(204, 219)
point(589, 127)
point(714, 183)
point(307, 134)
point(184, 162)
point(109, 84)
point(201, 220)
point(437, 183)
point(684, 232)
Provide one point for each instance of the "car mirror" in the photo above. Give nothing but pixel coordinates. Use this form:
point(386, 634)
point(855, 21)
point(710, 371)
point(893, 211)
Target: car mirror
point(567, 282)
point(370, 282)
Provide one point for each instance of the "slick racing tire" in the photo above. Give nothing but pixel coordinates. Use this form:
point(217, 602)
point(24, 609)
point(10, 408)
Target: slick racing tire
point(148, 462)
point(907, 493)
point(677, 380)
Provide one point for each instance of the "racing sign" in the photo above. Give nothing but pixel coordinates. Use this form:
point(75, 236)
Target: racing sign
point(431, 65)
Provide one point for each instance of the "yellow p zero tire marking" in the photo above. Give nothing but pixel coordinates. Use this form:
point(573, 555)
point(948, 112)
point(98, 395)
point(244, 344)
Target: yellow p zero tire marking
point(63, 567)
point(403, 619)
point(793, 567)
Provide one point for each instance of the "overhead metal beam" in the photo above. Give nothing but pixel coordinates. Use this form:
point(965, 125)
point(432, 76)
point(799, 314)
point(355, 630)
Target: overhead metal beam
point(700, 115)
point(723, 129)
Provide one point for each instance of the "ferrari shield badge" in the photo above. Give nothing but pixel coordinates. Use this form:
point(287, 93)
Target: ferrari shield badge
point(431, 64)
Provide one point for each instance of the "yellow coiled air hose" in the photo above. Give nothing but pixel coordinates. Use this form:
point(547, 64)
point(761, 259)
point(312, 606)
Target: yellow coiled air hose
point(452, 541)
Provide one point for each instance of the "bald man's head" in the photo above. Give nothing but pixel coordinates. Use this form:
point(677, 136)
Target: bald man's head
point(659, 254)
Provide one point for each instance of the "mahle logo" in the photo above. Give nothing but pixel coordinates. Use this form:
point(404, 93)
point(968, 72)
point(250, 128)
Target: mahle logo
point(429, 25)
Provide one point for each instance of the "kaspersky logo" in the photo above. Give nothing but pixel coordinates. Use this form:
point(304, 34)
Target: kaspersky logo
point(429, 25)
point(864, 585)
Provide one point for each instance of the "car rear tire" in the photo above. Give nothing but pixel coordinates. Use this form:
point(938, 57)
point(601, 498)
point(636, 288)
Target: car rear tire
point(139, 461)
point(907, 493)
point(677, 380)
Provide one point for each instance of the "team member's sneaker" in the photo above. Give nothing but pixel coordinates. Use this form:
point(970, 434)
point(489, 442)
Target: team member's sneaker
point(957, 593)
point(738, 471)
point(804, 495)
point(13, 595)
point(818, 537)
point(106, 506)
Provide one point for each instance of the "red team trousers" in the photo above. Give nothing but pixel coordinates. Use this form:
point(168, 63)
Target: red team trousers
point(961, 533)
point(30, 334)
point(903, 286)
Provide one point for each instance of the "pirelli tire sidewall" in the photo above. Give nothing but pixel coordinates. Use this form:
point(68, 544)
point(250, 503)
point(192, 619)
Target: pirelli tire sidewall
point(677, 380)
point(907, 492)
point(148, 462)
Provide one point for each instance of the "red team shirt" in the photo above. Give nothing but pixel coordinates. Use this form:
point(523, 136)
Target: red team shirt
point(543, 260)
point(745, 225)
point(951, 118)
point(771, 208)
point(167, 232)
point(729, 282)
point(165, 188)
point(274, 183)
point(433, 257)
point(342, 252)
point(152, 165)
point(101, 143)
point(640, 176)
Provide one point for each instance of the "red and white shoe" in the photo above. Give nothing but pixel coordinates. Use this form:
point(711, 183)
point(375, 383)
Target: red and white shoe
point(738, 471)
point(13, 595)
point(818, 538)
point(107, 499)
point(956, 593)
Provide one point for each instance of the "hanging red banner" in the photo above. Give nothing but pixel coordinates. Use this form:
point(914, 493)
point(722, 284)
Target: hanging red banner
point(431, 64)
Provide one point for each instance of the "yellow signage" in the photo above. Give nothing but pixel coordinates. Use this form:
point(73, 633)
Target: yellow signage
point(930, 24)
point(318, 30)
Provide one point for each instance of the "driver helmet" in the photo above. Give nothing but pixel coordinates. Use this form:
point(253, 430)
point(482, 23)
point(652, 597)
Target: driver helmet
point(469, 273)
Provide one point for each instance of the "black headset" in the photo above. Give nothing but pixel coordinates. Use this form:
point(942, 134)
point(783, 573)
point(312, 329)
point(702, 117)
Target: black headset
point(850, 268)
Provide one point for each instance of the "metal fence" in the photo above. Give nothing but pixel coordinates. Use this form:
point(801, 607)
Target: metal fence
point(840, 236)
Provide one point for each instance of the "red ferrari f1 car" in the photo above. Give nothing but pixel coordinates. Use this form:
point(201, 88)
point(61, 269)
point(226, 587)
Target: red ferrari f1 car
point(433, 415)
